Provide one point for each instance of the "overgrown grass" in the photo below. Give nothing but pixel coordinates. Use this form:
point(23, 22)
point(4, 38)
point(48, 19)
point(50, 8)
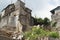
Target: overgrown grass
point(39, 32)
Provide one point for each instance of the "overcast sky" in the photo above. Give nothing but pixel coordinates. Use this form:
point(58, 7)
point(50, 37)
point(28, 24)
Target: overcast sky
point(40, 8)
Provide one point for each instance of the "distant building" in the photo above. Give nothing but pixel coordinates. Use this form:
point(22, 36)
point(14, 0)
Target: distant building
point(56, 17)
point(16, 17)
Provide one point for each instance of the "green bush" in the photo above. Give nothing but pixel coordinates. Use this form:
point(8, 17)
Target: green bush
point(36, 32)
point(54, 34)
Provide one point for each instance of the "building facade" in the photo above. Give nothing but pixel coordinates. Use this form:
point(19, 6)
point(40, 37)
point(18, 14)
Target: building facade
point(56, 17)
point(16, 17)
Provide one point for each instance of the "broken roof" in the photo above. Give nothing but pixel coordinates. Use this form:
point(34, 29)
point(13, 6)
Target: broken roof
point(27, 9)
point(53, 11)
point(8, 6)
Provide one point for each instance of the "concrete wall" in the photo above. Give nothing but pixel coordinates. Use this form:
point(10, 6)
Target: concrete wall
point(3, 22)
point(56, 17)
point(20, 15)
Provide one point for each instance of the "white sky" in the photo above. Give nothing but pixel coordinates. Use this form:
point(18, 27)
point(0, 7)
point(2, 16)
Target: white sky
point(40, 8)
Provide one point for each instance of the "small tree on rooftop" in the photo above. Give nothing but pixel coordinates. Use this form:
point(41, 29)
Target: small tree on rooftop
point(54, 24)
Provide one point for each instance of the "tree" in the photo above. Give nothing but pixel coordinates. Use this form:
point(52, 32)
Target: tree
point(40, 21)
point(35, 21)
point(54, 24)
point(46, 22)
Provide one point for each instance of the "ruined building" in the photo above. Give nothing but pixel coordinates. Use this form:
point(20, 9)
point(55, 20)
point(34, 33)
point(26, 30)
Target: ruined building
point(56, 17)
point(16, 17)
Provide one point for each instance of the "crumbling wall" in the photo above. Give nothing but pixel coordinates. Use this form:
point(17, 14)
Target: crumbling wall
point(6, 38)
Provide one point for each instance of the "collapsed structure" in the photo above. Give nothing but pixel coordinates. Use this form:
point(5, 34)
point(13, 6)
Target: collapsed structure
point(15, 19)
point(56, 18)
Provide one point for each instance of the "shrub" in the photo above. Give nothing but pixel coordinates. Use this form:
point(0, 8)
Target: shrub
point(36, 32)
point(54, 34)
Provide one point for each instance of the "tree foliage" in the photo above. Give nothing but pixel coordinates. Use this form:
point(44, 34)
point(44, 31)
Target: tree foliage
point(40, 21)
point(54, 24)
point(46, 22)
point(54, 34)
